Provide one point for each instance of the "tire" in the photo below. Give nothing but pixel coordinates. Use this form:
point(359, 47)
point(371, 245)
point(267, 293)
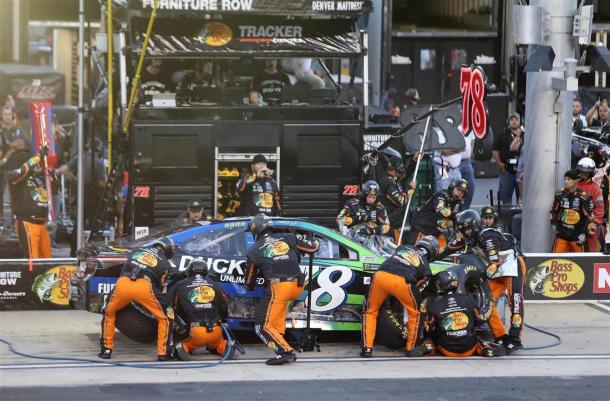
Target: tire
point(390, 331)
point(10, 249)
point(136, 324)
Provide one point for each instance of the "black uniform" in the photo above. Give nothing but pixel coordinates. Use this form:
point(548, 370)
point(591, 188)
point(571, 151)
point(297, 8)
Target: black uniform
point(450, 323)
point(393, 198)
point(570, 216)
point(276, 257)
point(435, 216)
point(191, 83)
point(373, 218)
point(151, 84)
point(270, 86)
point(259, 195)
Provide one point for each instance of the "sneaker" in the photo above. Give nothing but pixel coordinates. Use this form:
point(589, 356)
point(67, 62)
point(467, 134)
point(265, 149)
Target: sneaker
point(494, 351)
point(366, 352)
point(181, 353)
point(105, 353)
point(420, 350)
point(513, 344)
point(280, 359)
point(164, 358)
point(502, 340)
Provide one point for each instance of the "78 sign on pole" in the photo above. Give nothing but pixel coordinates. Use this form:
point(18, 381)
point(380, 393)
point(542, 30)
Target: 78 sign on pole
point(474, 111)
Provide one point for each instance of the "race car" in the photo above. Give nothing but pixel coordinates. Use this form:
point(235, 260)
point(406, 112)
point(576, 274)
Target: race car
point(342, 271)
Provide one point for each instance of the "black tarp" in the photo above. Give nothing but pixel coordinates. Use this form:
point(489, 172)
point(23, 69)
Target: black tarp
point(249, 36)
point(178, 8)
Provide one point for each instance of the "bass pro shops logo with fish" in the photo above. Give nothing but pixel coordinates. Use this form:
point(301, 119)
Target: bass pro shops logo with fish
point(555, 278)
point(54, 285)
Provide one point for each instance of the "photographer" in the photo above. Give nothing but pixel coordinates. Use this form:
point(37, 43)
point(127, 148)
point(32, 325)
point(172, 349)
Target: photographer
point(259, 193)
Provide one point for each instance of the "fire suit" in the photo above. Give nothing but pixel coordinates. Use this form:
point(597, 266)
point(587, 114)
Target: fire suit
point(142, 280)
point(394, 199)
point(595, 193)
point(370, 219)
point(202, 305)
point(450, 321)
point(30, 206)
point(570, 216)
point(505, 274)
point(276, 256)
point(258, 195)
point(435, 217)
point(401, 276)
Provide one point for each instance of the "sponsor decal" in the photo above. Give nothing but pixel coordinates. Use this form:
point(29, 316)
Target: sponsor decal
point(102, 285)
point(569, 216)
point(277, 248)
point(601, 278)
point(333, 5)
point(201, 295)
point(516, 320)
point(216, 33)
point(6, 295)
point(140, 232)
point(264, 200)
point(556, 278)
point(146, 259)
point(483, 59)
point(455, 321)
point(201, 5)
point(411, 257)
point(36, 91)
point(54, 285)
point(9, 278)
point(397, 59)
point(257, 33)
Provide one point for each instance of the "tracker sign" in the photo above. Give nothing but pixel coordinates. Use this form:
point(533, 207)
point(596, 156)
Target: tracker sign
point(601, 278)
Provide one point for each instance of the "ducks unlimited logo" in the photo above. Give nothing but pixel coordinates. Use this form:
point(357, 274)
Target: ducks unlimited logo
point(555, 278)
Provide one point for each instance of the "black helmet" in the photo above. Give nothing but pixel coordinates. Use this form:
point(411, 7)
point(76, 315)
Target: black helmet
point(461, 183)
point(259, 223)
point(488, 211)
point(396, 163)
point(430, 244)
point(197, 267)
point(469, 219)
point(447, 281)
point(370, 188)
point(167, 245)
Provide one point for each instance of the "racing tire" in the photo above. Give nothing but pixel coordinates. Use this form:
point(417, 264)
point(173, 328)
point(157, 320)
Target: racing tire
point(390, 331)
point(137, 324)
point(10, 249)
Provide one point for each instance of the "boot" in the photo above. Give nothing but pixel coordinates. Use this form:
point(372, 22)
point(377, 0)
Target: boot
point(284, 357)
point(105, 353)
point(420, 350)
point(513, 344)
point(366, 352)
point(164, 358)
point(493, 351)
point(181, 353)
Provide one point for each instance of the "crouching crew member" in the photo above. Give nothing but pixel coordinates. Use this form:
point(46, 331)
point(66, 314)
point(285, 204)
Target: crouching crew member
point(201, 303)
point(402, 275)
point(450, 321)
point(365, 212)
point(394, 197)
point(436, 216)
point(30, 204)
point(505, 273)
point(276, 256)
point(142, 280)
point(259, 193)
point(571, 214)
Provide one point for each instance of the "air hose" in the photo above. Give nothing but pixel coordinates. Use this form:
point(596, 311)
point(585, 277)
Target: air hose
point(548, 333)
point(184, 365)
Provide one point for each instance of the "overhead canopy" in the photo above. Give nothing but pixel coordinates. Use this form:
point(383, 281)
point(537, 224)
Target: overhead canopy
point(254, 36)
point(180, 8)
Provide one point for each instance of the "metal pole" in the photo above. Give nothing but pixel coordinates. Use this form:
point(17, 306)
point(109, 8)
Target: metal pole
point(421, 149)
point(365, 77)
point(109, 68)
point(548, 128)
point(80, 192)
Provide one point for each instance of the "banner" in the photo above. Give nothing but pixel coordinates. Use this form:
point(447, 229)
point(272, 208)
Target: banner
point(558, 277)
point(27, 83)
point(251, 36)
point(261, 7)
point(46, 285)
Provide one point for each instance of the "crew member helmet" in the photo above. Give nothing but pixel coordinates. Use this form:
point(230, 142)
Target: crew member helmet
point(198, 267)
point(461, 184)
point(370, 187)
point(167, 245)
point(586, 165)
point(259, 223)
point(469, 219)
point(447, 281)
point(430, 244)
point(488, 211)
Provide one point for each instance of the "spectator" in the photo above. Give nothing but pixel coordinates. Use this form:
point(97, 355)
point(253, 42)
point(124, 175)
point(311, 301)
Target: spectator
point(270, 83)
point(259, 193)
point(446, 169)
point(412, 97)
point(466, 170)
point(586, 168)
point(201, 77)
point(11, 141)
point(303, 72)
point(577, 112)
point(153, 80)
point(506, 150)
point(194, 212)
point(594, 115)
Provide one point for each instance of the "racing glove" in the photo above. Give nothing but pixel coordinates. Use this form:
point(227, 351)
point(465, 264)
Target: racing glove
point(582, 239)
point(366, 231)
point(491, 271)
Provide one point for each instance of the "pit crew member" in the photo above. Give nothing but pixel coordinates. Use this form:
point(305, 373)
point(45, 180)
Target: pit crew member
point(142, 280)
point(259, 193)
point(276, 256)
point(402, 275)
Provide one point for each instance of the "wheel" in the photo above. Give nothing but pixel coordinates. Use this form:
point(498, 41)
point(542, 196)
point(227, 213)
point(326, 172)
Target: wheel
point(10, 249)
point(390, 331)
point(137, 324)
point(504, 311)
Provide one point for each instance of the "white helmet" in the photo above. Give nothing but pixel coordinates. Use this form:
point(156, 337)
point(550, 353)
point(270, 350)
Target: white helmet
point(586, 165)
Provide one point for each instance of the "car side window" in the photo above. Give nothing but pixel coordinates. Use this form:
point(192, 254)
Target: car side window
point(331, 249)
point(219, 242)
